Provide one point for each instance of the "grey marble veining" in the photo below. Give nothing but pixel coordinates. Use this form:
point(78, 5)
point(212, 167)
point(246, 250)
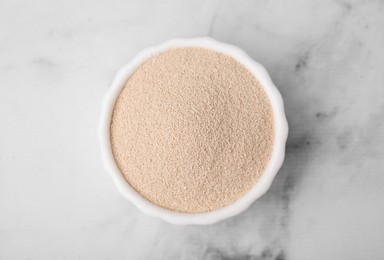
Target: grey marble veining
point(57, 59)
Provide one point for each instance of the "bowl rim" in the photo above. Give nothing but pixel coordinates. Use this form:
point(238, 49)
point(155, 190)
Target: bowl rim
point(265, 181)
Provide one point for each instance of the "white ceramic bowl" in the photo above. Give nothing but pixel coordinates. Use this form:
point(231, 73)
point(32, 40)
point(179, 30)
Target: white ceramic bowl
point(281, 132)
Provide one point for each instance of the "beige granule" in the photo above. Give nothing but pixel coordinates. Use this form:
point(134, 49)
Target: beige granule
point(192, 130)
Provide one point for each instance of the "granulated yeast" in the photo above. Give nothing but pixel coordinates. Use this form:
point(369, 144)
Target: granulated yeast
point(192, 130)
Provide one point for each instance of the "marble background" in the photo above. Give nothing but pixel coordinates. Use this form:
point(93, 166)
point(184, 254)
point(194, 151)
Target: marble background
point(57, 59)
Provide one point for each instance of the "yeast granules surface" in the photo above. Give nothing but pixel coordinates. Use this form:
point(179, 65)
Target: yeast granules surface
point(192, 130)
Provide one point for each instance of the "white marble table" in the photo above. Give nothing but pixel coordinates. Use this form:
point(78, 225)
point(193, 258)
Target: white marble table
point(57, 59)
